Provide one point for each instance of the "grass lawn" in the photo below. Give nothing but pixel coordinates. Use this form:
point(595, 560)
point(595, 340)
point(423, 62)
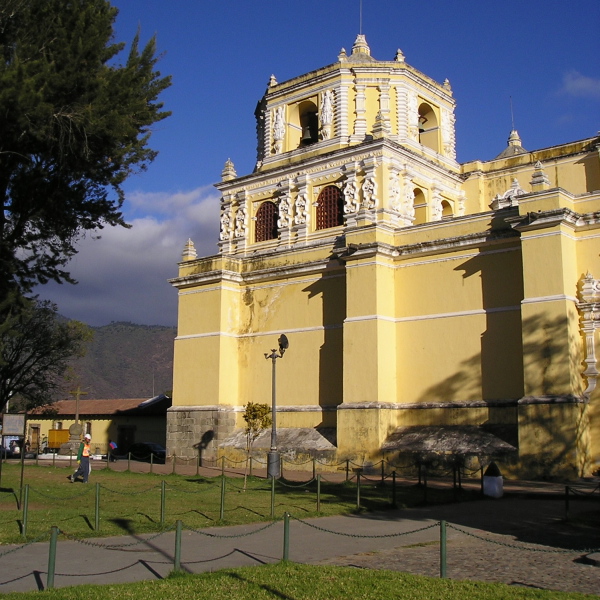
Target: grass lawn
point(288, 581)
point(130, 503)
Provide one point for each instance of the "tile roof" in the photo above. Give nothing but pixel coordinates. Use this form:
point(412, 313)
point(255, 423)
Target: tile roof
point(90, 407)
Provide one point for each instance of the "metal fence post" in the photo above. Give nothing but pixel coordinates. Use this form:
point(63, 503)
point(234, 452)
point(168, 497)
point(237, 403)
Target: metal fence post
point(97, 508)
point(177, 562)
point(52, 557)
point(129, 461)
point(163, 501)
point(358, 489)
point(394, 503)
point(272, 497)
point(222, 509)
point(198, 462)
point(382, 472)
point(286, 536)
point(347, 469)
point(152, 462)
point(174, 462)
point(442, 549)
point(25, 510)
point(318, 493)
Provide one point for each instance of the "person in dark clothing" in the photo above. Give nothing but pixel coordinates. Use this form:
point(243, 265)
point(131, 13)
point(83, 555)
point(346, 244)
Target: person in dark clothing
point(83, 456)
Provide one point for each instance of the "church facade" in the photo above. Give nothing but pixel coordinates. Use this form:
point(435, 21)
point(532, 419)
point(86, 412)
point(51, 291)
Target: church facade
point(415, 291)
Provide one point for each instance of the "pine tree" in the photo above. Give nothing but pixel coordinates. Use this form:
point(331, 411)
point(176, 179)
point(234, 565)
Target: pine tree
point(74, 124)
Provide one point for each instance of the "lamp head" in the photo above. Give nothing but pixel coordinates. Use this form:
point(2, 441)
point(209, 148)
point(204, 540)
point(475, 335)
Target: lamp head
point(283, 344)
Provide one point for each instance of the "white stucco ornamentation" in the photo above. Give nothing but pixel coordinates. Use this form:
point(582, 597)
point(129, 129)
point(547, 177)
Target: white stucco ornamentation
point(369, 193)
point(241, 223)
point(509, 198)
point(301, 215)
point(285, 213)
point(413, 116)
point(461, 205)
point(589, 310)
point(436, 205)
point(225, 232)
point(326, 113)
point(448, 134)
point(278, 129)
point(395, 191)
point(351, 202)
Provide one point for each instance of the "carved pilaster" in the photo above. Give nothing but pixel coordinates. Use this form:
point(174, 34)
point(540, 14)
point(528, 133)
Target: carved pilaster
point(589, 310)
point(360, 123)
point(448, 134)
point(227, 224)
point(436, 203)
point(286, 218)
point(302, 207)
point(350, 190)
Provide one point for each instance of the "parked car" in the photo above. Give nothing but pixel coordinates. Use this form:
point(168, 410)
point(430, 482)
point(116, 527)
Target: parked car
point(142, 451)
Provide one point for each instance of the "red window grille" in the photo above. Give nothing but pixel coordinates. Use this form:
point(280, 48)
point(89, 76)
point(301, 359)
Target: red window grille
point(330, 208)
point(266, 222)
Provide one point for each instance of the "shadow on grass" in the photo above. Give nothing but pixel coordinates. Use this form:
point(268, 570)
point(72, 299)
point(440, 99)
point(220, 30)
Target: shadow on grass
point(271, 590)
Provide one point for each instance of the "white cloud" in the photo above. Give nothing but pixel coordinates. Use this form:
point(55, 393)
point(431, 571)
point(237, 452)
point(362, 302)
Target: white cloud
point(581, 86)
point(122, 273)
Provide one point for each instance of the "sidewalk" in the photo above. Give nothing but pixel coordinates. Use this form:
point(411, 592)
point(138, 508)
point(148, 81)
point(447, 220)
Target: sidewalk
point(515, 528)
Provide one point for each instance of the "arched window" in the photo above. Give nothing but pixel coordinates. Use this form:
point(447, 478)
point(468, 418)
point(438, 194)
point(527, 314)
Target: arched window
point(309, 123)
point(446, 210)
point(420, 205)
point(266, 222)
point(428, 127)
point(330, 207)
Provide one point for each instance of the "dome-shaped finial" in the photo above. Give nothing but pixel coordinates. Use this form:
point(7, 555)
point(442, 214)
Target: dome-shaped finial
point(272, 81)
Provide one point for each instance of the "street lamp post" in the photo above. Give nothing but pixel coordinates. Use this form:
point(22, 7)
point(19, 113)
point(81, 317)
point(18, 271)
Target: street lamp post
point(274, 458)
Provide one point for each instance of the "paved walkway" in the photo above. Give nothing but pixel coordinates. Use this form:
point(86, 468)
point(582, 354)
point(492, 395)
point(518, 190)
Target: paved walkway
point(519, 539)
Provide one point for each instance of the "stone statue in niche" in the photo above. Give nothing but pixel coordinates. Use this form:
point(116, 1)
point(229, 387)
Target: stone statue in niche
point(278, 130)
point(326, 113)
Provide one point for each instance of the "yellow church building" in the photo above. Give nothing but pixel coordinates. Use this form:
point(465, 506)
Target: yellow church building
point(420, 296)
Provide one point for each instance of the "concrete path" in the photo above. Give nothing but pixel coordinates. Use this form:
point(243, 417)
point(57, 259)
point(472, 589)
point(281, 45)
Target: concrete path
point(520, 539)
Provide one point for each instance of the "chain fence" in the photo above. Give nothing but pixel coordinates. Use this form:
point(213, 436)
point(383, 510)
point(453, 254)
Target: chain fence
point(148, 543)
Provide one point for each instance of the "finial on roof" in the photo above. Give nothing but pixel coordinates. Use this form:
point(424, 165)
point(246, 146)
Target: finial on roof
point(399, 56)
point(189, 252)
point(447, 85)
point(361, 46)
point(272, 81)
point(514, 146)
point(228, 171)
point(342, 56)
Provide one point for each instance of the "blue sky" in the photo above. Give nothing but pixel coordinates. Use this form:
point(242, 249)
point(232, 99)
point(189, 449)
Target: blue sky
point(545, 55)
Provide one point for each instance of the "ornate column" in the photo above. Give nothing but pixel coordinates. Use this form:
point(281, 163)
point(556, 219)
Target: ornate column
point(240, 224)
point(589, 309)
point(285, 219)
point(302, 207)
point(227, 224)
point(360, 122)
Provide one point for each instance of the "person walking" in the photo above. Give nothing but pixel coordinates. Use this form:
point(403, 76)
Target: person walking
point(83, 456)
